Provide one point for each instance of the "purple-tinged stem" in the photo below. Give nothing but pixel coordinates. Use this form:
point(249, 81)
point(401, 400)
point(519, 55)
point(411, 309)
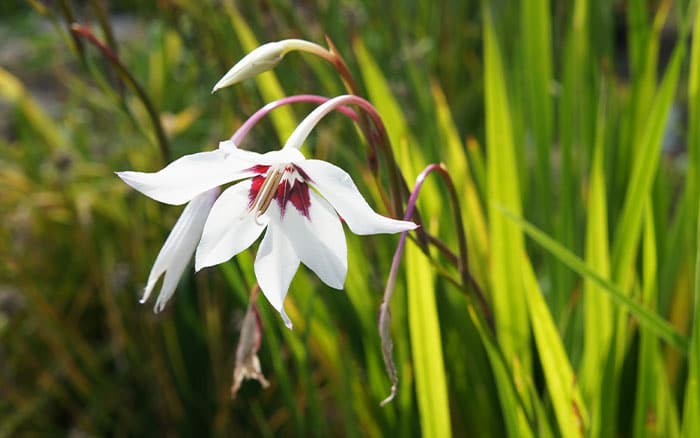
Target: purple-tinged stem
point(79, 30)
point(307, 125)
point(341, 66)
point(462, 265)
point(243, 130)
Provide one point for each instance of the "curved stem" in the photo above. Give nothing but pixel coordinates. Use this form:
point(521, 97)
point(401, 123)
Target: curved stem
point(463, 260)
point(338, 104)
point(85, 32)
point(462, 265)
point(364, 123)
point(243, 130)
point(308, 47)
point(304, 128)
point(481, 320)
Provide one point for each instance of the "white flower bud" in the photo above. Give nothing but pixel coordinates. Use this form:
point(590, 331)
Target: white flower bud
point(266, 57)
point(260, 60)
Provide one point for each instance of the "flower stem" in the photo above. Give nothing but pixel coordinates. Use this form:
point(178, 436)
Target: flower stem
point(378, 141)
point(462, 264)
point(85, 32)
point(243, 130)
point(304, 128)
point(341, 66)
point(69, 16)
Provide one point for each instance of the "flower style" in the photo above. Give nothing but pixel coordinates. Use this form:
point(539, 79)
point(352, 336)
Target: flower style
point(299, 202)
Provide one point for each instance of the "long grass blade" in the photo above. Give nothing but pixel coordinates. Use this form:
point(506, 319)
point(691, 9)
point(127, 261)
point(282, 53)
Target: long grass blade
point(426, 346)
point(571, 413)
point(648, 318)
point(691, 419)
point(506, 240)
point(598, 313)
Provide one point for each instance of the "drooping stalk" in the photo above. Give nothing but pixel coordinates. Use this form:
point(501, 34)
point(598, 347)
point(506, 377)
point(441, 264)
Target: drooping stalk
point(467, 280)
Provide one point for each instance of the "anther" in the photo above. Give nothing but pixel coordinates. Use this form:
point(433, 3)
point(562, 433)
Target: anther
point(267, 192)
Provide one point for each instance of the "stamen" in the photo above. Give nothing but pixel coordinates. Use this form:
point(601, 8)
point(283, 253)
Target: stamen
point(267, 192)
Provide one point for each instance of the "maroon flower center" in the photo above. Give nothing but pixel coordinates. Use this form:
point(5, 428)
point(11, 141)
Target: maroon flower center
point(284, 184)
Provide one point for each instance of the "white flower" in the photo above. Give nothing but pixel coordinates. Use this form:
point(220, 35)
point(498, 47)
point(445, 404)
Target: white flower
point(299, 202)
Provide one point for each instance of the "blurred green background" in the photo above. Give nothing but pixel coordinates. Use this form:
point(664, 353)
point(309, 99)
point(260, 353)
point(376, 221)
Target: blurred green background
point(579, 116)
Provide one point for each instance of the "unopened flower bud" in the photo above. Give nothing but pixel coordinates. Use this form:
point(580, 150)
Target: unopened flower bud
point(247, 362)
point(260, 60)
point(266, 57)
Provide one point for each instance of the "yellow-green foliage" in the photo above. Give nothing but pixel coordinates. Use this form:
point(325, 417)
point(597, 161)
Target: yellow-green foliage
point(570, 130)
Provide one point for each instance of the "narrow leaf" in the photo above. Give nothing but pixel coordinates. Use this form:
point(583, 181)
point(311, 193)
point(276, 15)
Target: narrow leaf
point(648, 318)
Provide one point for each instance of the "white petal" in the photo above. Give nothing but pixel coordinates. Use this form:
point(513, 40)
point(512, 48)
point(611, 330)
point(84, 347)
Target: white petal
point(318, 240)
point(186, 177)
point(275, 266)
point(282, 156)
point(230, 227)
point(228, 146)
point(338, 188)
point(179, 247)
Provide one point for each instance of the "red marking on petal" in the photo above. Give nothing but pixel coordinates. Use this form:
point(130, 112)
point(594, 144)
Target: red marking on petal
point(259, 168)
point(255, 185)
point(282, 196)
point(296, 193)
point(300, 198)
point(302, 173)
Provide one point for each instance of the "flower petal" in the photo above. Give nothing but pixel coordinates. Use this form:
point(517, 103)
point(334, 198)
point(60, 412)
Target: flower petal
point(284, 155)
point(275, 266)
point(338, 188)
point(230, 227)
point(186, 177)
point(179, 247)
point(318, 240)
point(228, 146)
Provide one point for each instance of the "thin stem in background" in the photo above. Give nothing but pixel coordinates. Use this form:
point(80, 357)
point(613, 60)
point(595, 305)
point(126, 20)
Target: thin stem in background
point(85, 32)
point(69, 16)
point(106, 25)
